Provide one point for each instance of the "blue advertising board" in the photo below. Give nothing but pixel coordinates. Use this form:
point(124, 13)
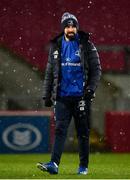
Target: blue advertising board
point(24, 134)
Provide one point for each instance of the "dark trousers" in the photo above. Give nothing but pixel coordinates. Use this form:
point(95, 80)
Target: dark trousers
point(64, 109)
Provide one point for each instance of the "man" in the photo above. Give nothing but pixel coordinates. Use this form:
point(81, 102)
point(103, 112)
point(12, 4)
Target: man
point(72, 75)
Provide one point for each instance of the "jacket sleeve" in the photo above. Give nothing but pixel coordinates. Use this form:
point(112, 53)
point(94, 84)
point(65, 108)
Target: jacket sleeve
point(48, 77)
point(94, 67)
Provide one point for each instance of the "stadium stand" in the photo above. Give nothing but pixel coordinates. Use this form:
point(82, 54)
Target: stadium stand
point(27, 27)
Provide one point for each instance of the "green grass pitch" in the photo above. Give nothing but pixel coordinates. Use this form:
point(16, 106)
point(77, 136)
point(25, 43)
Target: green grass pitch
point(102, 166)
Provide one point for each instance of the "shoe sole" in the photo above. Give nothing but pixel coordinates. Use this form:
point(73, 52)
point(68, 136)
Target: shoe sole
point(41, 167)
point(82, 173)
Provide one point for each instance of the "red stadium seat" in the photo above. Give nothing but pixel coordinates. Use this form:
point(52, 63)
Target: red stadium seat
point(112, 61)
point(117, 130)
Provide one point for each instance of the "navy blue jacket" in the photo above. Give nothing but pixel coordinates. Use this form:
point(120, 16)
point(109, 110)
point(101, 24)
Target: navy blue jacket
point(89, 59)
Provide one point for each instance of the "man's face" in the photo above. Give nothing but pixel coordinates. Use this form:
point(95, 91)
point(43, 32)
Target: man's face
point(70, 32)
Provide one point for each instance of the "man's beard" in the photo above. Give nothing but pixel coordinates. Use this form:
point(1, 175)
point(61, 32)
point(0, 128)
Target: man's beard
point(70, 36)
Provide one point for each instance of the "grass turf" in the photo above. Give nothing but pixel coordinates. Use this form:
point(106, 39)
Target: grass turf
point(101, 166)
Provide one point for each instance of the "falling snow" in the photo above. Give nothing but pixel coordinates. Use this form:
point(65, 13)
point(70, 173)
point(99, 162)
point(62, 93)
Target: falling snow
point(4, 9)
point(23, 32)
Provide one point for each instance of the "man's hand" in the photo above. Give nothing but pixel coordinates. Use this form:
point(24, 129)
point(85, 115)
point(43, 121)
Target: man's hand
point(48, 102)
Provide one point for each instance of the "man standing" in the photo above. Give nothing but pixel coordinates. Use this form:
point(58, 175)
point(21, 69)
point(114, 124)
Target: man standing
point(72, 75)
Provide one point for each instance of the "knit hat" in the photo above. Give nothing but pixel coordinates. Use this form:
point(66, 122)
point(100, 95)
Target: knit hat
point(69, 19)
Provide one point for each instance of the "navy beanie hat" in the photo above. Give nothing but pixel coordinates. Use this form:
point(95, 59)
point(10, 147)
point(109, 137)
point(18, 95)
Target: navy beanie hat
point(69, 19)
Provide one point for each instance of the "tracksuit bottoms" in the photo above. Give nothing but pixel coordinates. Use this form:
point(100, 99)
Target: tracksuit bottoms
point(64, 109)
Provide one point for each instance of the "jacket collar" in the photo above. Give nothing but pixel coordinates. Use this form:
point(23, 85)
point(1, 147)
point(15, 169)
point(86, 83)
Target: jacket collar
point(83, 36)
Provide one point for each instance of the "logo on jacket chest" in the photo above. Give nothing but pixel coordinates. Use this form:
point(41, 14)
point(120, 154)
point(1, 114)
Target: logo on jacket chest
point(78, 53)
point(55, 54)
